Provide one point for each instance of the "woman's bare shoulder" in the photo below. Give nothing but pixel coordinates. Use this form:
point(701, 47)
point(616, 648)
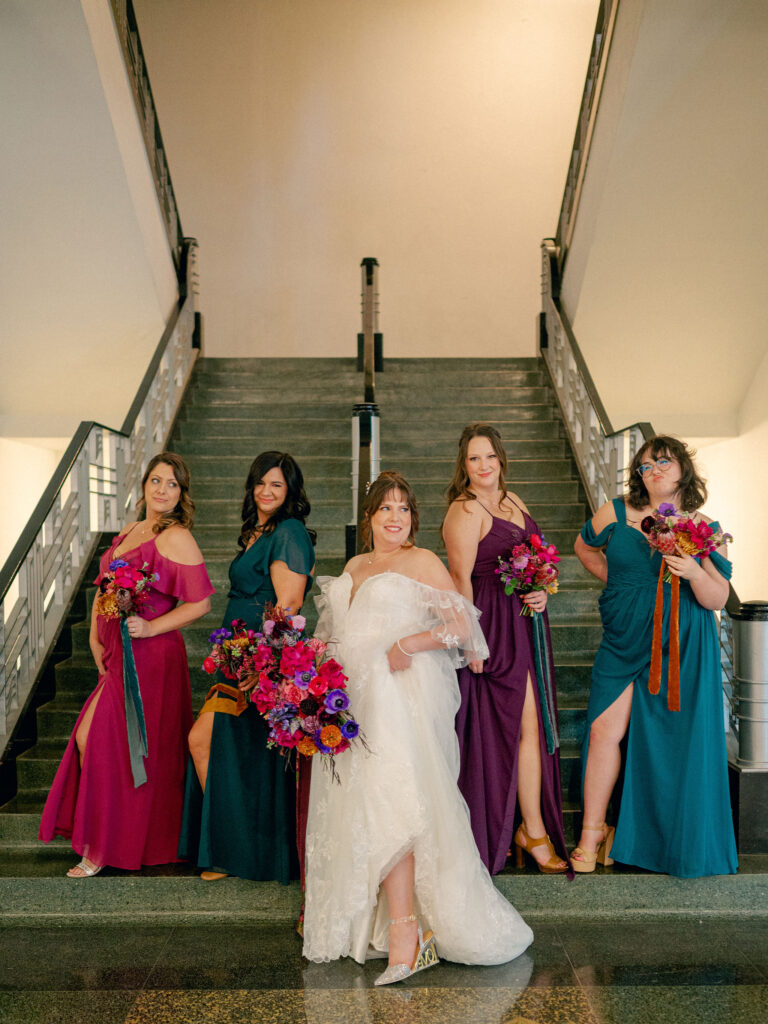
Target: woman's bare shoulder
point(177, 543)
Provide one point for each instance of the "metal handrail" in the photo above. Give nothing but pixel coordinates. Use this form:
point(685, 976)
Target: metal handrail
point(93, 489)
point(585, 126)
point(133, 54)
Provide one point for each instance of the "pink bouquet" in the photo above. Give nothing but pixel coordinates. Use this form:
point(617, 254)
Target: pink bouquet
point(530, 566)
point(123, 590)
point(672, 532)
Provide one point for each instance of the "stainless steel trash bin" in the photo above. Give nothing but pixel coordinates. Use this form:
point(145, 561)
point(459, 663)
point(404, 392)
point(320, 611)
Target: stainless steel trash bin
point(750, 680)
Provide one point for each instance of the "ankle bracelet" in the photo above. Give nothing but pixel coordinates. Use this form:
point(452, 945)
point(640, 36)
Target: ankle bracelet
point(402, 920)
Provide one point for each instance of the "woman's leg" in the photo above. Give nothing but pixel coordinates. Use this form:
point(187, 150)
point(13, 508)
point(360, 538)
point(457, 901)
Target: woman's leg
point(200, 745)
point(403, 937)
point(81, 739)
point(529, 775)
point(603, 764)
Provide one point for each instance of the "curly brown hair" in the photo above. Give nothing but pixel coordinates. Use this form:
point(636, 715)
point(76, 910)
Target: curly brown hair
point(183, 513)
point(459, 486)
point(692, 487)
point(384, 484)
point(295, 506)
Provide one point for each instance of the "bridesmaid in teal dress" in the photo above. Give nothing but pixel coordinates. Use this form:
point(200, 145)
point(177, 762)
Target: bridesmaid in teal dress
point(240, 802)
point(675, 814)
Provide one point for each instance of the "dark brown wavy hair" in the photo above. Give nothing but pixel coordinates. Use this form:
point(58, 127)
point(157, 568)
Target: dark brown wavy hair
point(384, 484)
point(184, 511)
point(295, 506)
point(693, 488)
point(459, 486)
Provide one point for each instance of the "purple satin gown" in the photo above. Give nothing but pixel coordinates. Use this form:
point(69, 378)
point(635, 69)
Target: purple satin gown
point(488, 722)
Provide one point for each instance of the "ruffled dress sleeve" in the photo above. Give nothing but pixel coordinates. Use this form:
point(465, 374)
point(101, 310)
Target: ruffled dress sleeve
point(455, 622)
point(186, 582)
point(324, 630)
point(292, 544)
point(599, 540)
point(720, 562)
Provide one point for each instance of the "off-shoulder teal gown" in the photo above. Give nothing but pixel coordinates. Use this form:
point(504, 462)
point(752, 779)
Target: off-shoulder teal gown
point(675, 814)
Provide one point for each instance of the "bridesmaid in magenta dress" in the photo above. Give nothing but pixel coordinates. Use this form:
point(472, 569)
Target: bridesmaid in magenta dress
point(94, 800)
point(504, 759)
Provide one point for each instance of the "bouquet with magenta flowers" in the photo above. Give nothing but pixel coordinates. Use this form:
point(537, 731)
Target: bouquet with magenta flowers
point(530, 566)
point(300, 693)
point(672, 532)
point(231, 651)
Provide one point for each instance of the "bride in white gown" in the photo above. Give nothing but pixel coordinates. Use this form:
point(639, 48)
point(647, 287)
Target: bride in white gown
point(390, 848)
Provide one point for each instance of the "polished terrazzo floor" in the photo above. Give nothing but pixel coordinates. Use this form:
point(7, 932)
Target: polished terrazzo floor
point(638, 972)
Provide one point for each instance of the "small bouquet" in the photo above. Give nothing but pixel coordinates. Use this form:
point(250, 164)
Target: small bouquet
point(530, 566)
point(299, 693)
point(124, 590)
point(672, 532)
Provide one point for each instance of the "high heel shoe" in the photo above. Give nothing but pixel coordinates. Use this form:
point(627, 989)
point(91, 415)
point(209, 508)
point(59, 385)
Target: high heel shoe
point(525, 844)
point(584, 863)
point(426, 956)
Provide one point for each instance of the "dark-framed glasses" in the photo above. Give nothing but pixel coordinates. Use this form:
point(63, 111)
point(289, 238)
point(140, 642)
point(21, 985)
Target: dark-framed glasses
point(663, 464)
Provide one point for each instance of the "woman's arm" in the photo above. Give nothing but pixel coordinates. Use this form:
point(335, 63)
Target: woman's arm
point(461, 533)
point(178, 545)
point(289, 587)
point(593, 559)
point(97, 648)
point(709, 588)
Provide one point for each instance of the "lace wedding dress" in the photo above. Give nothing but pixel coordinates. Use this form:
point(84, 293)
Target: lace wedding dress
point(400, 795)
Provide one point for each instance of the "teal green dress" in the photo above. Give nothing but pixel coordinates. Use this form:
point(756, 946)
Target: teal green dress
point(245, 822)
point(675, 814)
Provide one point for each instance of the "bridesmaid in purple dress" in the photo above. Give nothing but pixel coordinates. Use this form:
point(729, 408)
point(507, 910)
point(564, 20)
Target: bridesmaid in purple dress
point(111, 815)
point(504, 759)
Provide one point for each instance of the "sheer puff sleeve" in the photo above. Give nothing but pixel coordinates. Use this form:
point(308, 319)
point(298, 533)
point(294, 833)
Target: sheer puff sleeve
point(324, 602)
point(455, 623)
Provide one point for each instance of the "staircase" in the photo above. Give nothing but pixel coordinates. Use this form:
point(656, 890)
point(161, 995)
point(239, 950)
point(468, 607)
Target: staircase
point(236, 408)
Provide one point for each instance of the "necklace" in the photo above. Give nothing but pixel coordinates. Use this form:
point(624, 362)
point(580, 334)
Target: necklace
point(372, 554)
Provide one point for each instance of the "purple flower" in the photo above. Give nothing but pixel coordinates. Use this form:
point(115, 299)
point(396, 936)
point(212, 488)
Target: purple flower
point(118, 563)
point(667, 509)
point(350, 729)
point(283, 715)
point(303, 679)
point(319, 743)
point(218, 636)
point(336, 700)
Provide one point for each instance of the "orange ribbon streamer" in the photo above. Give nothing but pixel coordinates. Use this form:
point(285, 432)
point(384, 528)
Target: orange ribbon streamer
point(673, 669)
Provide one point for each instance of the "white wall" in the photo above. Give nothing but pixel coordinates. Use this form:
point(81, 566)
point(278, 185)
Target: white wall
point(26, 466)
point(86, 276)
point(432, 134)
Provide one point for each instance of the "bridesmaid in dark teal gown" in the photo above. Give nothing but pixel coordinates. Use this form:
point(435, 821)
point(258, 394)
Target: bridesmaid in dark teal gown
point(675, 814)
point(240, 801)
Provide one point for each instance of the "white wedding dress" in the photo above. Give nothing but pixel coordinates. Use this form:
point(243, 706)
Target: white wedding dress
point(400, 795)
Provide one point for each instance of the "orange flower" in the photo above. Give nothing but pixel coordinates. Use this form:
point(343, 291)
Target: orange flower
point(306, 747)
point(330, 735)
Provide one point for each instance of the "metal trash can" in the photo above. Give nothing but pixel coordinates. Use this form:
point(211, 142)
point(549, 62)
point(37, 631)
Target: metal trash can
point(750, 681)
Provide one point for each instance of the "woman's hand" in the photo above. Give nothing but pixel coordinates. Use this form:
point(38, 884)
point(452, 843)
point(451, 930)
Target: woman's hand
point(684, 566)
point(247, 684)
point(476, 665)
point(536, 600)
point(138, 628)
point(397, 660)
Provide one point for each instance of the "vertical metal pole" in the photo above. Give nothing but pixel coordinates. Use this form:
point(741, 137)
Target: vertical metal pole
point(370, 325)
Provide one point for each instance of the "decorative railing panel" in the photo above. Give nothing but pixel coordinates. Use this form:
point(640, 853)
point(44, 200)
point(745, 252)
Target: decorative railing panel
point(94, 489)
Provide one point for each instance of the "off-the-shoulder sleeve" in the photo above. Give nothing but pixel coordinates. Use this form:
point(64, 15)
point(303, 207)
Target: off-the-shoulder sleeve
point(292, 544)
point(324, 630)
point(187, 582)
point(720, 562)
point(596, 540)
point(454, 621)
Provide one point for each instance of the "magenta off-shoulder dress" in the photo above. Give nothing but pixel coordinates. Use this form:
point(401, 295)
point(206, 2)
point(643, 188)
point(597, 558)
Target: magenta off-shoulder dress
point(109, 820)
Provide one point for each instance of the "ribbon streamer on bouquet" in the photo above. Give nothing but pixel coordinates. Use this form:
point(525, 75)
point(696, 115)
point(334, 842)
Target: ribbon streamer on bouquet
point(673, 668)
point(544, 682)
point(134, 711)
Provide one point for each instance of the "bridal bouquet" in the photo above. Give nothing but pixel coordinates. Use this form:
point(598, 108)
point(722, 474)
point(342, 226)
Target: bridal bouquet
point(672, 532)
point(299, 692)
point(123, 590)
point(530, 566)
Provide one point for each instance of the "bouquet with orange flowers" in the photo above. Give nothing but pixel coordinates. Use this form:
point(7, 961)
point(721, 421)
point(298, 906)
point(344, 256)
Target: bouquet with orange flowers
point(123, 590)
point(300, 693)
point(672, 532)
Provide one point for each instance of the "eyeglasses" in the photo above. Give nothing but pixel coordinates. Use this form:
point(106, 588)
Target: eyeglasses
point(663, 464)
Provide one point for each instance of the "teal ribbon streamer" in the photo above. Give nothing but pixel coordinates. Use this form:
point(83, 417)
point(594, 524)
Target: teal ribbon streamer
point(134, 711)
point(544, 683)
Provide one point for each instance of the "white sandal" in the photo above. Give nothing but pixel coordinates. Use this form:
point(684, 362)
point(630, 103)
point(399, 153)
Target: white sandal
point(88, 871)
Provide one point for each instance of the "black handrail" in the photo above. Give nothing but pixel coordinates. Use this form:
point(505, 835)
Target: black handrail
point(22, 546)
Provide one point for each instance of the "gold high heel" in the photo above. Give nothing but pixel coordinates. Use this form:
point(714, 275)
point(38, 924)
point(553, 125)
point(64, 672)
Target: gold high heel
point(524, 843)
point(426, 956)
point(584, 864)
